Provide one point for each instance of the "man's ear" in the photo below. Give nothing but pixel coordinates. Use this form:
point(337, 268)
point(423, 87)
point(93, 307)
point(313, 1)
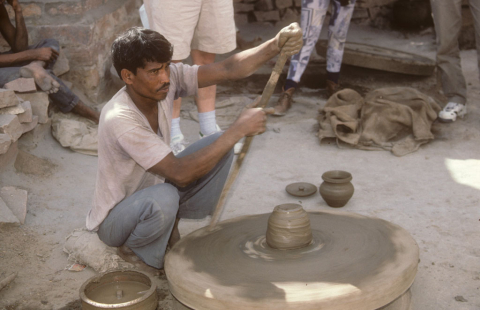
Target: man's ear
point(127, 76)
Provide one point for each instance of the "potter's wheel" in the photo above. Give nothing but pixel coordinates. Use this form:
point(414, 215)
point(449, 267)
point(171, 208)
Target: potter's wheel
point(353, 262)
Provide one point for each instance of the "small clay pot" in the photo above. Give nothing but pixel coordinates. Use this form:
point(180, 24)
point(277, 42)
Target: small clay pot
point(336, 188)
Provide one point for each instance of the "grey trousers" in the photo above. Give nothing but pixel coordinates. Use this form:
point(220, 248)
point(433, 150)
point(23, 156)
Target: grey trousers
point(64, 98)
point(144, 220)
point(447, 16)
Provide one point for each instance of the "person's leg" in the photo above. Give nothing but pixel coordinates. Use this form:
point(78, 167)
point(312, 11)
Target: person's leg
point(475, 9)
point(205, 98)
point(337, 36)
point(312, 18)
point(143, 222)
point(447, 17)
point(198, 199)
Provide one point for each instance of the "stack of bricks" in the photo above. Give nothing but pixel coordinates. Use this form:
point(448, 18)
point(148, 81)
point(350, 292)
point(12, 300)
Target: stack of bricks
point(22, 108)
point(273, 11)
point(284, 12)
point(85, 30)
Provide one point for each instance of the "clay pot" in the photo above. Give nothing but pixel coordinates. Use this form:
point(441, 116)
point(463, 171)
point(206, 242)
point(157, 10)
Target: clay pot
point(288, 227)
point(336, 188)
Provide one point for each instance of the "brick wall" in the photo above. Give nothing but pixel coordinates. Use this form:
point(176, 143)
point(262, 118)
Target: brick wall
point(85, 30)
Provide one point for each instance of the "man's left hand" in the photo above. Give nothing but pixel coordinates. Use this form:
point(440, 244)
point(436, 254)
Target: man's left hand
point(290, 39)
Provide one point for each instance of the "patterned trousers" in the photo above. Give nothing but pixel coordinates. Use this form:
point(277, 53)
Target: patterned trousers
point(313, 16)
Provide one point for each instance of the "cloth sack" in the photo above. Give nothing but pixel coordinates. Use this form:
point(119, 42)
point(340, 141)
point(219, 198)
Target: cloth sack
point(398, 119)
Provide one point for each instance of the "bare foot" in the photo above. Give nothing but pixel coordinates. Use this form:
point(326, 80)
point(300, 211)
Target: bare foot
point(85, 111)
point(42, 78)
point(130, 257)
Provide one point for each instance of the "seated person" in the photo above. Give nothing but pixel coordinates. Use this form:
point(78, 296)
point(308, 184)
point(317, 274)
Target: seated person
point(142, 189)
point(35, 62)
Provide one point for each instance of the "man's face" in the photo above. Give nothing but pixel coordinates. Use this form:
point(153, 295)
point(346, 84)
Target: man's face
point(152, 81)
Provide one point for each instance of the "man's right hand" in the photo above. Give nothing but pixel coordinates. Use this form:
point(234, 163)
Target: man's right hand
point(251, 122)
point(46, 54)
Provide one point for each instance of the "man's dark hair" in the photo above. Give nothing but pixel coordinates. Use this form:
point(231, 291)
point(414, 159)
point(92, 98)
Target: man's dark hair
point(133, 48)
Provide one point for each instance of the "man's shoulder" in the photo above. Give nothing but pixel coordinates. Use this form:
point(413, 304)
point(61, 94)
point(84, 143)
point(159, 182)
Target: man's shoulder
point(118, 115)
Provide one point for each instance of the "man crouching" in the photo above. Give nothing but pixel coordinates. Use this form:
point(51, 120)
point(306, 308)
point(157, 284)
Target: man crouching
point(142, 189)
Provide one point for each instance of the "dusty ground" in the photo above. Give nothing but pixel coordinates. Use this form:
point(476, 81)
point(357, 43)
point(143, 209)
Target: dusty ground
point(433, 193)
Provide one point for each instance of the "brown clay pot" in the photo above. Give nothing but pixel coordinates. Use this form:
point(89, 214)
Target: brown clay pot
point(336, 188)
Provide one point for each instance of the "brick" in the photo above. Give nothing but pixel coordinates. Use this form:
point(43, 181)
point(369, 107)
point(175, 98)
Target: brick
point(56, 9)
point(7, 218)
point(283, 4)
point(16, 201)
point(61, 65)
point(17, 109)
point(264, 5)
point(22, 85)
point(39, 102)
point(243, 7)
point(267, 16)
point(10, 125)
point(241, 19)
point(30, 126)
point(360, 13)
point(5, 142)
point(31, 10)
point(25, 117)
point(7, 98)
point(92, 4)
point(290, 16)
point(9, 157)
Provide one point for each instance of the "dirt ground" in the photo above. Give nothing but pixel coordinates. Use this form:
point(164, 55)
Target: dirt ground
point(434, 193)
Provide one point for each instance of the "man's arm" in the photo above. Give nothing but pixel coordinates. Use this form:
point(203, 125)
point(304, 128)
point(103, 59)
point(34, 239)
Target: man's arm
point(245, 63)
point(183, 171)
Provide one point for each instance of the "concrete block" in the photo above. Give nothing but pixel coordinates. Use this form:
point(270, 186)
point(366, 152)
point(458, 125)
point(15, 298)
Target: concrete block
point(261, 16)
point(15, 110)
point(16, 201)
point(264, 5)
point(5, 142)
point(39, 102)
point(10, 125)
point(7, 98)
point(27, 116)
point(9, 157)
point(243, 7)
point(61, 65)
point(7, 218)
point(30, 126)
point(283, 4)
point(22, 85)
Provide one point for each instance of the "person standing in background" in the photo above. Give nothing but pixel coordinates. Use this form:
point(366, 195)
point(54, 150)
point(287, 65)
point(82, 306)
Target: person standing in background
point(312, 18)
point(201, 29)
point(447, 17)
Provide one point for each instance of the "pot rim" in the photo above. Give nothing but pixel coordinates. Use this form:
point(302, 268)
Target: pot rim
point(337, 176)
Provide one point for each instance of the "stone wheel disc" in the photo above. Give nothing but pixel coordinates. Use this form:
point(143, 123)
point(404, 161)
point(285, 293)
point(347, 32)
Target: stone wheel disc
point(353, 262)
point(381, 58)
point(301, 189)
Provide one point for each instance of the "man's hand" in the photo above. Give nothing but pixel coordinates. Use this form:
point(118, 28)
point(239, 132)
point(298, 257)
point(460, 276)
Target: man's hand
point(290, 39)
point(252, 121)
point(46, 54)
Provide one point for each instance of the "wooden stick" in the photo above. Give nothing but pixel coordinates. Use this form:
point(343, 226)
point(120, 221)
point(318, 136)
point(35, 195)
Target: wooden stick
point(267, 93)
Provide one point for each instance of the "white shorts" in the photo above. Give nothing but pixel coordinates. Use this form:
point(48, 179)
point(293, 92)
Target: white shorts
point(205, 25)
